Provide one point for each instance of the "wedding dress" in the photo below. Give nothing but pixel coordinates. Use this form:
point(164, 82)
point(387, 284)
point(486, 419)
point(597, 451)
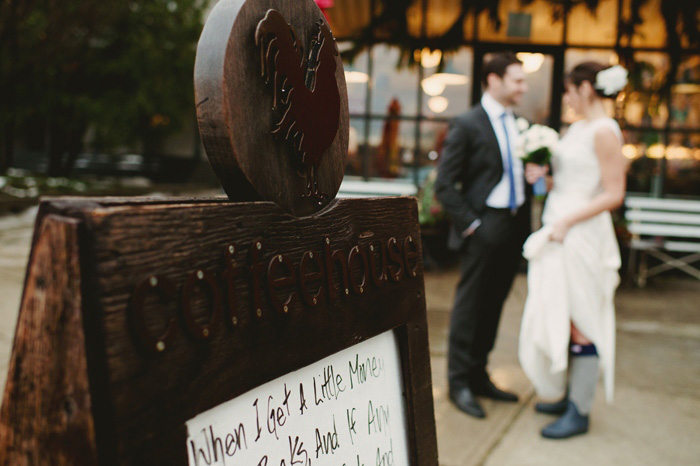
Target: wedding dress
point(573, 281)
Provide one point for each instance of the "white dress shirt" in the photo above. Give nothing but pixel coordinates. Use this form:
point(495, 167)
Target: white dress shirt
point(500, 195)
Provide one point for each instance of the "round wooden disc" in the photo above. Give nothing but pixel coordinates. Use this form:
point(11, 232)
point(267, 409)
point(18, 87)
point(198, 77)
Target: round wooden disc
point(235, 105)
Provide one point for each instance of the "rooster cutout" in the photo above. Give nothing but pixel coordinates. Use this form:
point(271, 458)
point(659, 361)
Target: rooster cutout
point(305, 90)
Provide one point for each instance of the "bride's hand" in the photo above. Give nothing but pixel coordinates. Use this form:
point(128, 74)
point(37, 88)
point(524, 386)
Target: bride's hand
point(534, 172)
point(559, 231)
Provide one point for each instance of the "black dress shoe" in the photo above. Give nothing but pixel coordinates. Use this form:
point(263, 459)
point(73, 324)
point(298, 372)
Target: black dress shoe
point(487, 389)
point(571, 423)
point(558, 407)
point(466, 402)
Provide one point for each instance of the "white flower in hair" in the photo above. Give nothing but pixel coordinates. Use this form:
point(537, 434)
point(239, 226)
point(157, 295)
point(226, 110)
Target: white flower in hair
point(611, 80)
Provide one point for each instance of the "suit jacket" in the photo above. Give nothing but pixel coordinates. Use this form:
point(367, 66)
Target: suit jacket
point(470, 167)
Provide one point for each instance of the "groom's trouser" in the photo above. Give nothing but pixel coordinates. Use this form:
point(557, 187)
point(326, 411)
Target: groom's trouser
point(489, 261)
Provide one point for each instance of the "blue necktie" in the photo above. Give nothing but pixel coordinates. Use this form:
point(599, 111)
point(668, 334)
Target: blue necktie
point(512, 203)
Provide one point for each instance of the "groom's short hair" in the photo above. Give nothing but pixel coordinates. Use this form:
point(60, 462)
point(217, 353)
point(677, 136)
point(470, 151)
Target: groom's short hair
point(497, 63)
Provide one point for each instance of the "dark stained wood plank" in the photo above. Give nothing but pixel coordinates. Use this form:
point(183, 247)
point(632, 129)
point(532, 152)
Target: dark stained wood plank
point(131, 244)
point(140, 398)
point(46, 417)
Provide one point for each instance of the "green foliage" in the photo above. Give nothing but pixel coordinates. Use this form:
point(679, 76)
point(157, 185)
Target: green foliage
point(122, 68)
point(147, 62)
point(541, 156)
point(20, 185)
point(682, 21)
point(430, 211)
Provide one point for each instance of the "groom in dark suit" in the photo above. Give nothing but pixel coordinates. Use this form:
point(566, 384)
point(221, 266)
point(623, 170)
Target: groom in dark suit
point(482, 187)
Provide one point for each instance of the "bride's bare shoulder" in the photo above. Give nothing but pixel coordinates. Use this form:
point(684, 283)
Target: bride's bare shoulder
point(608, 129)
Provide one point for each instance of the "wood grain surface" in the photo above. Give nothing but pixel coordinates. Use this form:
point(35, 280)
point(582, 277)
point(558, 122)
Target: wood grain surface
point(46, 416)
point(235, 115)
point(141, 399)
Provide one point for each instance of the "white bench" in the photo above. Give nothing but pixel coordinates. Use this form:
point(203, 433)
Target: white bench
point(667, 229)
point(352, 187)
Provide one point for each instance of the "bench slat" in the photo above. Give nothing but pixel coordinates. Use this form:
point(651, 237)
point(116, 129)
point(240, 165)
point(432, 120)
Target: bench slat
point(346, 195)
point(673, 246)
point(663, 217)
point(354, 188)
point(654, 229)
point(650, 203)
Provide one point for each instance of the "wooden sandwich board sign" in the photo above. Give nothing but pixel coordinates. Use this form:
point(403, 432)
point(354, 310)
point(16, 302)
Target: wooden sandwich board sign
point(221, 331)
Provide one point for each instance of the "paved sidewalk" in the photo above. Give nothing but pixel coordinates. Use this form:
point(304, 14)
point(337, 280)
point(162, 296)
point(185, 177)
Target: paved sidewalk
point(15, 241)
point(655, 419)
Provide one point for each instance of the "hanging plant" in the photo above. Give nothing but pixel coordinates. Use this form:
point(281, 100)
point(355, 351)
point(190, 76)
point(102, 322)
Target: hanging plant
point(390, 26)
point(561, 8)
point(681, 19)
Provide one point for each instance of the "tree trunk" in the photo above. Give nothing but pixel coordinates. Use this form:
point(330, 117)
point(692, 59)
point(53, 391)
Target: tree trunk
point(54, 150)
point(7, 150)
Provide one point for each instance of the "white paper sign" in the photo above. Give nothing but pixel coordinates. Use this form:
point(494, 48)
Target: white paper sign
point(347, 409)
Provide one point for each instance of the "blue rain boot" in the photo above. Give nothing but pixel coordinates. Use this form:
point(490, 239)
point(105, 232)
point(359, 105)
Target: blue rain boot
point(569, 424)
point(557, 408)
point(583, 375)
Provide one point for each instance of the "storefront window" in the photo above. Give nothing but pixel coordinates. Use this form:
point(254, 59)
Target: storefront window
point(391, 148)
point(599, 28)
point(642, 103)
point(433, 136)
point(357, 80)
point(645, 151)
point(685, 95)
point(661, 125)
point(664, 162)
point(447, 93)
point(391, 83)
point(575, 56)
point(356, 146)
point(347, 18)
point(522, 23)
point(660, 166)
point(442, 15)
point(536, 102)
point(652, 31)
point(683, 165)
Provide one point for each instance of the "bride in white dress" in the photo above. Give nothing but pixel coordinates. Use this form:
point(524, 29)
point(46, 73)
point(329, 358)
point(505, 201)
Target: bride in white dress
point(568, 328)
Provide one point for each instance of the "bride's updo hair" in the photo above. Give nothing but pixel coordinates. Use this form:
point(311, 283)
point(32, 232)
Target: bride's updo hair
point(588, 71)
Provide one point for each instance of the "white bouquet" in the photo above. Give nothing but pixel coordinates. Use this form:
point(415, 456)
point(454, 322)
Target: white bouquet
point(535, 145)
